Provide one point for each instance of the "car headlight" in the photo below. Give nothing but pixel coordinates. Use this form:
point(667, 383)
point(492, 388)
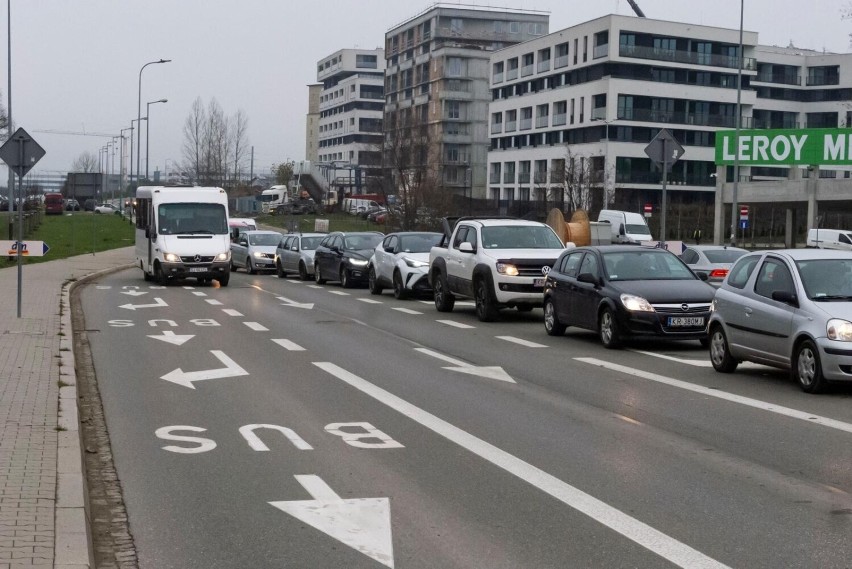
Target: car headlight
point(414, 263)
point(840, 330)
point(358, 262)
point(507, 269)
point(226, 256)
point(171, 258)
point(636, 303)
point(257, 255)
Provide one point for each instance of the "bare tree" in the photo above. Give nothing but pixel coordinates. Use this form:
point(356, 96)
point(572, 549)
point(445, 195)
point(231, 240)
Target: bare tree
point(239, 141)
point(4, 123)
point(580, 181)
point(86, 162)
point(193, 139)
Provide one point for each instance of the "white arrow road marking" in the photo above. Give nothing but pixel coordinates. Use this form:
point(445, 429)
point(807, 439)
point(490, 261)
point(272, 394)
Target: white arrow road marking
point(652, 539)
point(370, 301)
point(747, 401)
point(134, 292)
point(213, 301)
point(294, 304)
point(521, 342)
point(232, 312)
point(697, 363)
point(172, 338)
point(490, 372)
point(406, 310)
point(158, 302)
point(288, 345)
point(455, 324)
point(185, 378)
point(256, 326)
point(361, 523)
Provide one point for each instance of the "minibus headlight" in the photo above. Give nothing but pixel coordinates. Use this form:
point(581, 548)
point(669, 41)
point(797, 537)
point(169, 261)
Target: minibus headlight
point(226, 256)
point(171, 258)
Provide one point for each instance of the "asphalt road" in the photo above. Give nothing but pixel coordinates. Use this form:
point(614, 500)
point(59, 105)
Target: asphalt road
point(274, 423)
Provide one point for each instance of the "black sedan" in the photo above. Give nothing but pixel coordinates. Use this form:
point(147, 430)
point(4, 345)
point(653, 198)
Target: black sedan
point(626, 291)
point(344, 257)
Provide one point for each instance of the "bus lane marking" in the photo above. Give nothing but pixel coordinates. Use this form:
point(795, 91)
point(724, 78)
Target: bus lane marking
point(521, 342)
point(256, 326)
point(288, 345)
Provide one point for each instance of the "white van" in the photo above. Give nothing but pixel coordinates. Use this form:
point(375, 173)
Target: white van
point(830, 239)
point(237, 225)
point(182, 232)
point(626, 226)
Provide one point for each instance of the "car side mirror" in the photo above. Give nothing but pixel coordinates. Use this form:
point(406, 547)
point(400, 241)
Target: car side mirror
point(786, 297)
point(702, 275)
point(587, 278)
point(467, 247)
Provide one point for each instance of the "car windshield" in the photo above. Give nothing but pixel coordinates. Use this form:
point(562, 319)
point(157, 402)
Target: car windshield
point(826, 279)
point(359, 242)
point(520, 237)
point(176, 218)
point(310, 243)
point(264, 239)
point(723, 255)
point(421, 243)
point(645, 265)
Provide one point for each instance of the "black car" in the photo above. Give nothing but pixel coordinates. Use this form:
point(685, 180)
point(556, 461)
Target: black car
point(344, 257)
point(626, 291)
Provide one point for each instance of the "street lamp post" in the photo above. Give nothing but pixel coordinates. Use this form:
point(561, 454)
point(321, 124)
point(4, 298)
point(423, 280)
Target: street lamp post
point(122, 181)
point(606, 183)
point(148, 129)
point(139, 110)
point(734, 206)
point(139, 127)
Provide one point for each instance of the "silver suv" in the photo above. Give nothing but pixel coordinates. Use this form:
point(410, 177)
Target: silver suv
point(790, 309)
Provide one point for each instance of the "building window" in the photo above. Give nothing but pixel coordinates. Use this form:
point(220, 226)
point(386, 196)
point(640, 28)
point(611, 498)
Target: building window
point(537, 29)
point(514, 27)
point(585, 48)
point(561, 55)
point(576, 49)
point(453, 109)
point(455, 67)
point(499, 27)
point(366, 61)
point(456, 25)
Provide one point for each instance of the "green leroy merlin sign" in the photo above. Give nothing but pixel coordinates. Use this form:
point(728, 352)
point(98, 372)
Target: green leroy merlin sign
point(808, 146)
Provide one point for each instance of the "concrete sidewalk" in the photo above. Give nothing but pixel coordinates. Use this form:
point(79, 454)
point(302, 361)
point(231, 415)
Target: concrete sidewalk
point(43, 506)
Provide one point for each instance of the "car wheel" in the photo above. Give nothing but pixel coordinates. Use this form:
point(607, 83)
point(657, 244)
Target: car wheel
point(159, 275)
point(608, 329)
point(303, 272)
point(807, 369)
point(224, 279)
point(233, 266)
point(318, 275)
point(486, 311)
point(146, 275)
point(398, 287)
point(250, 267)
point(345, 279)
point(552, 325)
point(373, 282)
point(444, 299)
point(720, 354)
point(279, 270)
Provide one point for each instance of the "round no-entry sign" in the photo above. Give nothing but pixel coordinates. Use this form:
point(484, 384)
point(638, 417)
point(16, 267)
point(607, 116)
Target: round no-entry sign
point(743, 213)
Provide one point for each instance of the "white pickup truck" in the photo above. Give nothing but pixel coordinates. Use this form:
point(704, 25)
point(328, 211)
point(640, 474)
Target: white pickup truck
point(497, 261)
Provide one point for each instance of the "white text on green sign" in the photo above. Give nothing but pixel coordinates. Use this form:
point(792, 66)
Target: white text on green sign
point(807, 146)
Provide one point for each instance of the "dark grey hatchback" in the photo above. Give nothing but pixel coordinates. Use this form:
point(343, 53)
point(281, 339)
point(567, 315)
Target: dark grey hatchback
point(626, 291)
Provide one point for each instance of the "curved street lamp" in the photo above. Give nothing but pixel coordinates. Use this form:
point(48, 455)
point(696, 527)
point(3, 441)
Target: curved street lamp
point(139, 110)
point(148, 130)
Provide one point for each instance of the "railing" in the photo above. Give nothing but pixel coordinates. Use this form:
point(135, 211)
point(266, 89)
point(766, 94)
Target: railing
point(494, 178)
point(560, 119)
point(497, 78)
point(496, 128)
point(511, 126)
point(599, 113)
point(646, 115)
point(509, 178)
point(680, 56)
point(656, 178)
point(526, 124)
point(561, 61)
point(768, 123)
point(544, 66)
point(541, 122)
point(526, 70)
point(830, 80)
point(524, 178)
point(557, 176)
point(540, 178)
point(781, 79)
point(600, 51)
point(512, 74)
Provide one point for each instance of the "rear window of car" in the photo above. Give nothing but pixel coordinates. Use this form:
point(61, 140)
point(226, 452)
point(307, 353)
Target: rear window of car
point(310, 243)
point(740, 273)
point(723, 255)
point(645, 265)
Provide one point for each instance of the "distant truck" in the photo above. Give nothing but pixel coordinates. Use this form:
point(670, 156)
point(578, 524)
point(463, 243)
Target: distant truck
point(274, 197)
point(54, 204)
point(626, 226)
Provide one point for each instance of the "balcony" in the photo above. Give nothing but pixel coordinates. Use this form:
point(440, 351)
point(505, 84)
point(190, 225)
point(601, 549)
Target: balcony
point(680, 56)
point(599, 114)
point(524, 178)
point(511, 126)
point(600, 51)
point(544, 66)
point(512, 74)
point(561, 61)
point(647, 115)
point(496, 128)
point(560, 119)
point(494, 178)
point(542, 122)
point(540, 178)
point(527, 70)
point(779, 79)
point(818, 81)
point(526, 124)
point(509, 178)
point(497, 78)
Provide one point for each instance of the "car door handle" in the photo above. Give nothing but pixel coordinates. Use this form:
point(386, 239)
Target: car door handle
point(748, 311)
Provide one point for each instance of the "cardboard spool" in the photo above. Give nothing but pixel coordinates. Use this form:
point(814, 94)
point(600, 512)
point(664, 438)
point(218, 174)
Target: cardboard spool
point(577, 231)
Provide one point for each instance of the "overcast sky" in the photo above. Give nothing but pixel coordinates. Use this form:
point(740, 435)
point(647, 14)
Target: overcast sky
point(75, 64)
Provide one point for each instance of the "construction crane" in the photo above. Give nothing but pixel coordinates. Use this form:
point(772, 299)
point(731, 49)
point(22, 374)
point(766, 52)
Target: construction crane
point(636, 8)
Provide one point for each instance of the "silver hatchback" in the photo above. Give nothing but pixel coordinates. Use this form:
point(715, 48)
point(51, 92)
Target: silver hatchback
point(790, 309)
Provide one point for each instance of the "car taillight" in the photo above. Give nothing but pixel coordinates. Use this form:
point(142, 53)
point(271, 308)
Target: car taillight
point(718, 273)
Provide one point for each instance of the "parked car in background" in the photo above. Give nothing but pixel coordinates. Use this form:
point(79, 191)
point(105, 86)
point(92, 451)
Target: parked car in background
point(255, 251)
point(344, 257)
point(295, 254)
point(790, 309)
point(89, 205)
point(53, 204)
point(401, 262)
point(830, 239)
point(72, 205)
point(625, 291)
point(713, 260)
point(106, 208)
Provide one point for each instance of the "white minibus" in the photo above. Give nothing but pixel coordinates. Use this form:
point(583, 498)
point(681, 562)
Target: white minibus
point(181, 232)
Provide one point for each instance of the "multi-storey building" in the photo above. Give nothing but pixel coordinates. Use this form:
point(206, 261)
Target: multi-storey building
point(437, 89)
point(577, 108)
point(349, 129)
point(312, 122)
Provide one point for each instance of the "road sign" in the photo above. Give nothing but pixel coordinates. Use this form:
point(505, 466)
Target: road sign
point(744, 213)
point(664, 142)
point(648, 210)
point(744, 223)
point(28, 248)
point(21, 152)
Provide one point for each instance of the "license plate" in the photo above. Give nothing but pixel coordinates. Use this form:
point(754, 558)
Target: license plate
point(538, 283)
point(198, 269)
point(675, 321)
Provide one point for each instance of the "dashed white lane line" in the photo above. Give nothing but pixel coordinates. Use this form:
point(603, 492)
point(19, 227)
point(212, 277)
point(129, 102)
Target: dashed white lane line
point(521, 342)
point(370, 301)
point(747, 401)
point(455, 324)
point(646, 536)
point(232, 312)
point(315, 286)
point(339, 292)
point(288, 345)
point(406, 310)
point(256, 326)
point(199, 293)
point(189, 287)
point(213, 301)
point(696, 363)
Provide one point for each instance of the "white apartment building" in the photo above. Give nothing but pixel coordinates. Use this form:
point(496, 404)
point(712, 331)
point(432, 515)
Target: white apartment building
point(351, 103)
point(597, 93)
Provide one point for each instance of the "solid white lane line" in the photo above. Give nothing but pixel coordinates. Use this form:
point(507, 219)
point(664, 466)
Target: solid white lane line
point(441, 356)
point(370, 301)
point(213, 301)
point(654, 540)
point(521, 342)
point(199, 293)
point(455, 324)
point(288, 345)
point(696, 363)
point(232, 312)
point(406, 310)
point(339, 292)
point(256, 326)
point(747, 401)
